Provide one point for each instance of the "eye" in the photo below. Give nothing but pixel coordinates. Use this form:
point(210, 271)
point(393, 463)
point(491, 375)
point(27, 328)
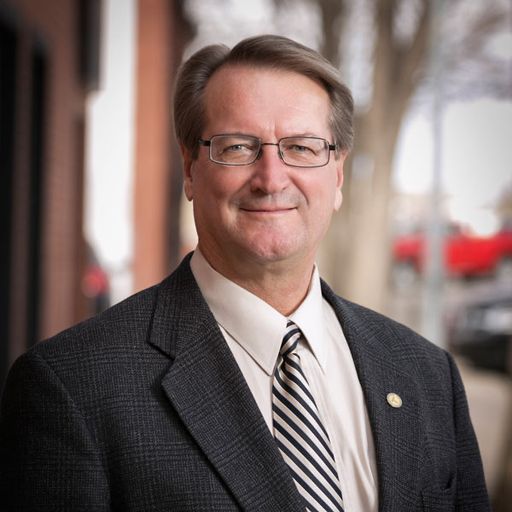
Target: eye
point(237, 148)
point(300, 149)
point(228, 145)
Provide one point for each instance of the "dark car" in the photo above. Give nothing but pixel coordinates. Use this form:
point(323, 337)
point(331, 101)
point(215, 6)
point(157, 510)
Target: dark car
point(481, 330)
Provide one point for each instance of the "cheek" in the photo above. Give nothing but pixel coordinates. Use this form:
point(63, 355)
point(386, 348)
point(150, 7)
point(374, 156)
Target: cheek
point(216, 191)
point(325, 201)
point(335, 192)
point(324, 195)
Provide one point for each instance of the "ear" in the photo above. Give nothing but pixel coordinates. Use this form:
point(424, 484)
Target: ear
point(338, 198)
point(187, 171)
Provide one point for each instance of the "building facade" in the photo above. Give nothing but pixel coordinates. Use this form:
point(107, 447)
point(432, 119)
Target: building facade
point(49, 63)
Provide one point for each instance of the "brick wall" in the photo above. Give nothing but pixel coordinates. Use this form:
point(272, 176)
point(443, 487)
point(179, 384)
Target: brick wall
point(47, 247)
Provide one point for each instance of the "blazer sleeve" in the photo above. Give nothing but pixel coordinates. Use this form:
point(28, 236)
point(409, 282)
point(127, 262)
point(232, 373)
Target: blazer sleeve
point(471, 489)
point(48, 458)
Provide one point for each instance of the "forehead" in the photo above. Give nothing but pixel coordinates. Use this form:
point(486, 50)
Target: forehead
point(253, 99)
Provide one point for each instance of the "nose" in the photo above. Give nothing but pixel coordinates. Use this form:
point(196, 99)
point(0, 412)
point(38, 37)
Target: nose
point(271, 174)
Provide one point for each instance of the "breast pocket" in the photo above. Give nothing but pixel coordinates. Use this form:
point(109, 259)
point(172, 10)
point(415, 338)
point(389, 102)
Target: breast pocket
point(439, 499)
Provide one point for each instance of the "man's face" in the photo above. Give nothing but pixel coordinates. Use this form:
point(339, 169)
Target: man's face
point(266, 212)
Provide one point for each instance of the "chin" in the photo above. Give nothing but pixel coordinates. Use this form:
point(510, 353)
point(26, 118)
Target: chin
point(272, 253)
point(270, 246)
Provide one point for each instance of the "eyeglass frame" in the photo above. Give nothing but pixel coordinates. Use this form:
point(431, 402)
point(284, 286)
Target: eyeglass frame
point(207, 143)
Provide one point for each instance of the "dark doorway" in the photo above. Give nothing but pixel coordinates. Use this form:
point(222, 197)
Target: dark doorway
point(37, 158)
point(8, 61)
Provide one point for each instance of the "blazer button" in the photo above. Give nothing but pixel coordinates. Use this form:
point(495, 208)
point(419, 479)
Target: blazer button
point(394, 400)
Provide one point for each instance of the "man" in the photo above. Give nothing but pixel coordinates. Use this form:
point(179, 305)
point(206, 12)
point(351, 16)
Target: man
point(242, 382)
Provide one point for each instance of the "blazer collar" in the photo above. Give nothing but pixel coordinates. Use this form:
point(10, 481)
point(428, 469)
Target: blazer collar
point(208, 391)
point(398, 432)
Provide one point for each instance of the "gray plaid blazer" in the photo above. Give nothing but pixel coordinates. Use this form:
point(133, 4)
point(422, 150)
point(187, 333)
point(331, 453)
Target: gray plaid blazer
point(144, 408)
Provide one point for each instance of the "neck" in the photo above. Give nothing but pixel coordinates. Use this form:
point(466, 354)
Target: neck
point(281, 284)
point(283, 294)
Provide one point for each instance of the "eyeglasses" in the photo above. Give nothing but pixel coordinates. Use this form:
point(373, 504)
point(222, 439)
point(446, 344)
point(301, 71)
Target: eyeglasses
point(245, 150)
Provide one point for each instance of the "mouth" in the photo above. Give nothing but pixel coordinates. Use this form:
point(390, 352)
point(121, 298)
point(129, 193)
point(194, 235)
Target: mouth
point(274, 210)
point(269, 205)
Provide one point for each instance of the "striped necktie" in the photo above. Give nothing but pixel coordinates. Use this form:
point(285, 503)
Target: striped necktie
point(299, 433)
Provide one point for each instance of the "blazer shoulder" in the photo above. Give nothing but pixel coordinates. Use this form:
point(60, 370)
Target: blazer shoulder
point(393, 336)
point(124, 322)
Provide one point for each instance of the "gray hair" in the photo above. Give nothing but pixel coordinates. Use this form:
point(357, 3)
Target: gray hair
point(267, 51)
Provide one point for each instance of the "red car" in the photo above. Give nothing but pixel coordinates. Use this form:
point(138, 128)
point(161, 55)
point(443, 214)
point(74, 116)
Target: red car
point(464, 255)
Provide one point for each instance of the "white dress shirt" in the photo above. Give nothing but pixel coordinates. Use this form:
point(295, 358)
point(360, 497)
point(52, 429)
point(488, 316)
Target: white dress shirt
point(254, 331)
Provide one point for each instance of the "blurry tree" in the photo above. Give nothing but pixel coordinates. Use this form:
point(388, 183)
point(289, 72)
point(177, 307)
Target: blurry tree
point(504, 208)
point(357, 258)
point(397, 65)
point(357, 247)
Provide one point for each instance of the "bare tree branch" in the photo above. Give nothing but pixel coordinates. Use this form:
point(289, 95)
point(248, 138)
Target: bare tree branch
point(333, 14)
point(411, 62)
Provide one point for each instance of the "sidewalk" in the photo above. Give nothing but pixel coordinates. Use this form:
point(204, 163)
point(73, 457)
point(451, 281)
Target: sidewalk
point(490, 404)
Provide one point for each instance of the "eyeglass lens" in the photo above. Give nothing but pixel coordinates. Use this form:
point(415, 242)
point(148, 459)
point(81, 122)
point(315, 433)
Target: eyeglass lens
point(244, 150)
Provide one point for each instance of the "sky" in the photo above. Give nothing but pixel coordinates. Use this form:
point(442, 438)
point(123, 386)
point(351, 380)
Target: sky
point(476, 158)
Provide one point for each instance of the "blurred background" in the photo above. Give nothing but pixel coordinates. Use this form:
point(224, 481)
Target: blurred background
point(90, 175)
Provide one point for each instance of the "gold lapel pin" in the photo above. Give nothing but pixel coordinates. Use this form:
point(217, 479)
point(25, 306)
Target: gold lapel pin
point(394, 400)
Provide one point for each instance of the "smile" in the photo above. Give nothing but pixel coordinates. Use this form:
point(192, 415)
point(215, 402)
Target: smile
point(269, 211)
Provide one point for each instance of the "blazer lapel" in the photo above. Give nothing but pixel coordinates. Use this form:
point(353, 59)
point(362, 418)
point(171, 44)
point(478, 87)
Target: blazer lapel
point(397, 431)
point(208, 391)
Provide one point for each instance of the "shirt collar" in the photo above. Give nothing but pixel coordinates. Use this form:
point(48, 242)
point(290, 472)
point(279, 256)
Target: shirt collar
point(309, 316)
point(255, 325)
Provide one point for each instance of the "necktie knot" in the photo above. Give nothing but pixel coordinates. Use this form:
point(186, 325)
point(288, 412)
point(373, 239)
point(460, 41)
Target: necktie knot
point(290, 339)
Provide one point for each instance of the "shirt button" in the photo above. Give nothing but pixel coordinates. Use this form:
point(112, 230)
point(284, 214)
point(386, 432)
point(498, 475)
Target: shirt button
point(394, 400)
